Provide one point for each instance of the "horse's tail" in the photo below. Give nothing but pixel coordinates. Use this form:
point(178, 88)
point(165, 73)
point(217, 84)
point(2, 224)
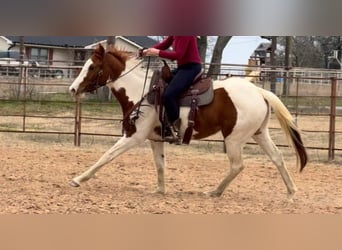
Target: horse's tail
point(286, 122)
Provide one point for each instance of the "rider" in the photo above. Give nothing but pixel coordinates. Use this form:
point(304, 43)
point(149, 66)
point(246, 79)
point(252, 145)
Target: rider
point(186, 53)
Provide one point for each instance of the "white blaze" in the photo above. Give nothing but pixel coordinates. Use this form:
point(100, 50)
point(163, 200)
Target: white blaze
point(76, 83)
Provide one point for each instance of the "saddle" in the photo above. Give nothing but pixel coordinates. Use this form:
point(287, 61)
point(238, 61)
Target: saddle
point(200, 93)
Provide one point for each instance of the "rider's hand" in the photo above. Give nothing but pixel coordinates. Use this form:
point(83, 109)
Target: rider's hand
point(151, 52)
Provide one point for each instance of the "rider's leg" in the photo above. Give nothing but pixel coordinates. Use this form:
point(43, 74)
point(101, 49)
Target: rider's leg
point(179, 84)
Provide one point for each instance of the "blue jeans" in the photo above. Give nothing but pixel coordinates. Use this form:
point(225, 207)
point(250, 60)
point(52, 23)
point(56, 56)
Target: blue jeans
point(182, 80)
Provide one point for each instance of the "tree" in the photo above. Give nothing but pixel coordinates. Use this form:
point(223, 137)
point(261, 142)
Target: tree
point(215, 63)
point(327, 44)
point(309, 51)
point(203, 46)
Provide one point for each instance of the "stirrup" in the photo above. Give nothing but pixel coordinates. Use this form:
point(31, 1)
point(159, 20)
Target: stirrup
point(173, 134)
point(173, 139)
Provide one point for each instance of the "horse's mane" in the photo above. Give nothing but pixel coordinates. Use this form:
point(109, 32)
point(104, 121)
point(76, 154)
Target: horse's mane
point(122, 55)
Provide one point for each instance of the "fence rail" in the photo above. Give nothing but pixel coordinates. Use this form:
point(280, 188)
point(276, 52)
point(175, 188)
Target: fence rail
point(42, 105)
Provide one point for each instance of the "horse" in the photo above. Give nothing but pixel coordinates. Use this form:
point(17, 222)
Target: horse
point(239, 110)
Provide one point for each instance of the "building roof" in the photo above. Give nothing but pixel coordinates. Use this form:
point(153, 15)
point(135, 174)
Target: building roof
point(60, 41)
point(142, 41)
point(77, 41)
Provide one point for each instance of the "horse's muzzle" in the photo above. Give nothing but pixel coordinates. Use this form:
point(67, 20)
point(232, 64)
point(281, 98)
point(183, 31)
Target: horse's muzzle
point(72, 91)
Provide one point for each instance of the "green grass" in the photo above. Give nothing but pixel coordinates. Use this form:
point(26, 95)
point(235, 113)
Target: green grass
point(61, 104)
point(101, 108)
point(34, 107)
point(310, 101)
point(54, 107)
point(9, 126)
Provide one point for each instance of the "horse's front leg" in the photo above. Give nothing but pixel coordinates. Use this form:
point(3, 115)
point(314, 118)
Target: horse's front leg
point(159, 159)
point(120, 147)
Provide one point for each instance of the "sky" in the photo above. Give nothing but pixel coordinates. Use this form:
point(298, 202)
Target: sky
point(240, 48)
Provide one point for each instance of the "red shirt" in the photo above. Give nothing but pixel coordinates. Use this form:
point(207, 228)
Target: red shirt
point(185, 49)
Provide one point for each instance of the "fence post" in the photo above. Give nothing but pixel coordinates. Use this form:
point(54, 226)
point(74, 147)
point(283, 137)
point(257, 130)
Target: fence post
point(331, 149)
point(23, 79)
point(297, 95)
point(77, 132)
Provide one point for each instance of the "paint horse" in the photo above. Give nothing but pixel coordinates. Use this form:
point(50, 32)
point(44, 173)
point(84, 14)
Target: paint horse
point(239, 110)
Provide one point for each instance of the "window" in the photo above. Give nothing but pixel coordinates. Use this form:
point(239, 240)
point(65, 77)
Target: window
point(79, 57)
point(40, 55)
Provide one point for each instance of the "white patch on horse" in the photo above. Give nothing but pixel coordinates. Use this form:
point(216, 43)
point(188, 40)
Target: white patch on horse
point(248, 118)
point(133, 82)
point(79, 79)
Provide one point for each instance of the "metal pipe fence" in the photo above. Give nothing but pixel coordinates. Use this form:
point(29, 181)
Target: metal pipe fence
point(42, 105)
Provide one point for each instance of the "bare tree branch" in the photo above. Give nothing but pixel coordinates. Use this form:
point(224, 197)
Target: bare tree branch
point(215, 67)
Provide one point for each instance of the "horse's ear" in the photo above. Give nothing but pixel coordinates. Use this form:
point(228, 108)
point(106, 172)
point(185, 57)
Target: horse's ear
point(99, 52)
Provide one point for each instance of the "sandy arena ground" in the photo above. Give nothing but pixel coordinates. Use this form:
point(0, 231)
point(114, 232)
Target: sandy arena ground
point(35, 177)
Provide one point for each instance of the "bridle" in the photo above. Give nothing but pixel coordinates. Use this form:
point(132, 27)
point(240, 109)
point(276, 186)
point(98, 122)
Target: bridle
point(97, 83)
point(137, 106)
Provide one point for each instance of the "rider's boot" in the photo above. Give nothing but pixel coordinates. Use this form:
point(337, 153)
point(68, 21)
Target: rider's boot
point(174, 135)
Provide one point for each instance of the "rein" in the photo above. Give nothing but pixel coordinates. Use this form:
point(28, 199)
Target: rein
point(142, 94)
point(133, 68)
point(129, 71)
point(100, 73)
point(139, 103)
point(137, 106)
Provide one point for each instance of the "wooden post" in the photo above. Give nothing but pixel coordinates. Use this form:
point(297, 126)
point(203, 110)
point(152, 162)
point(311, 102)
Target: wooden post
point(331, 149)
point(77, 131)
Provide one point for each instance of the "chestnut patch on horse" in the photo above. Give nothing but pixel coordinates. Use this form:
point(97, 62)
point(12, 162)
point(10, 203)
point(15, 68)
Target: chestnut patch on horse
point(112, 62)
point(219, 115)
point(115, 63)
point(158, 130)
point(126, 105)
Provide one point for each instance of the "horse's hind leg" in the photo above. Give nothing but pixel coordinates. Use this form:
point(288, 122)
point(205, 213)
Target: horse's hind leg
point(120, 147)
point(159, 159)
point(264, 140)
point(236, 165)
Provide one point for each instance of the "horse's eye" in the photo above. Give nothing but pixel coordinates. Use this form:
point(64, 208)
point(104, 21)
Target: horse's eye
point(91, 68)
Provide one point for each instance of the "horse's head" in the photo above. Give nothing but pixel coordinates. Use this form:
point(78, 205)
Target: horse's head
point(98, 69)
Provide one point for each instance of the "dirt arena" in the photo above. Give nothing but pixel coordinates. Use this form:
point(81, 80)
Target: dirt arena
point(35, 177)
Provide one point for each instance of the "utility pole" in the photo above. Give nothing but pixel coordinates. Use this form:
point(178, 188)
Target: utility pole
point(339, 54)
point(273, 63)
point(21, 66)
point(288, 64)
point(104, 93)
point(110, 41)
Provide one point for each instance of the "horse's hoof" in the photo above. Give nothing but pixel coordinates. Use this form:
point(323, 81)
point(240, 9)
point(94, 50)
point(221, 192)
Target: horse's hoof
point(212, 194)
point(74, 183)
point(160, 191)
point(290, 197)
